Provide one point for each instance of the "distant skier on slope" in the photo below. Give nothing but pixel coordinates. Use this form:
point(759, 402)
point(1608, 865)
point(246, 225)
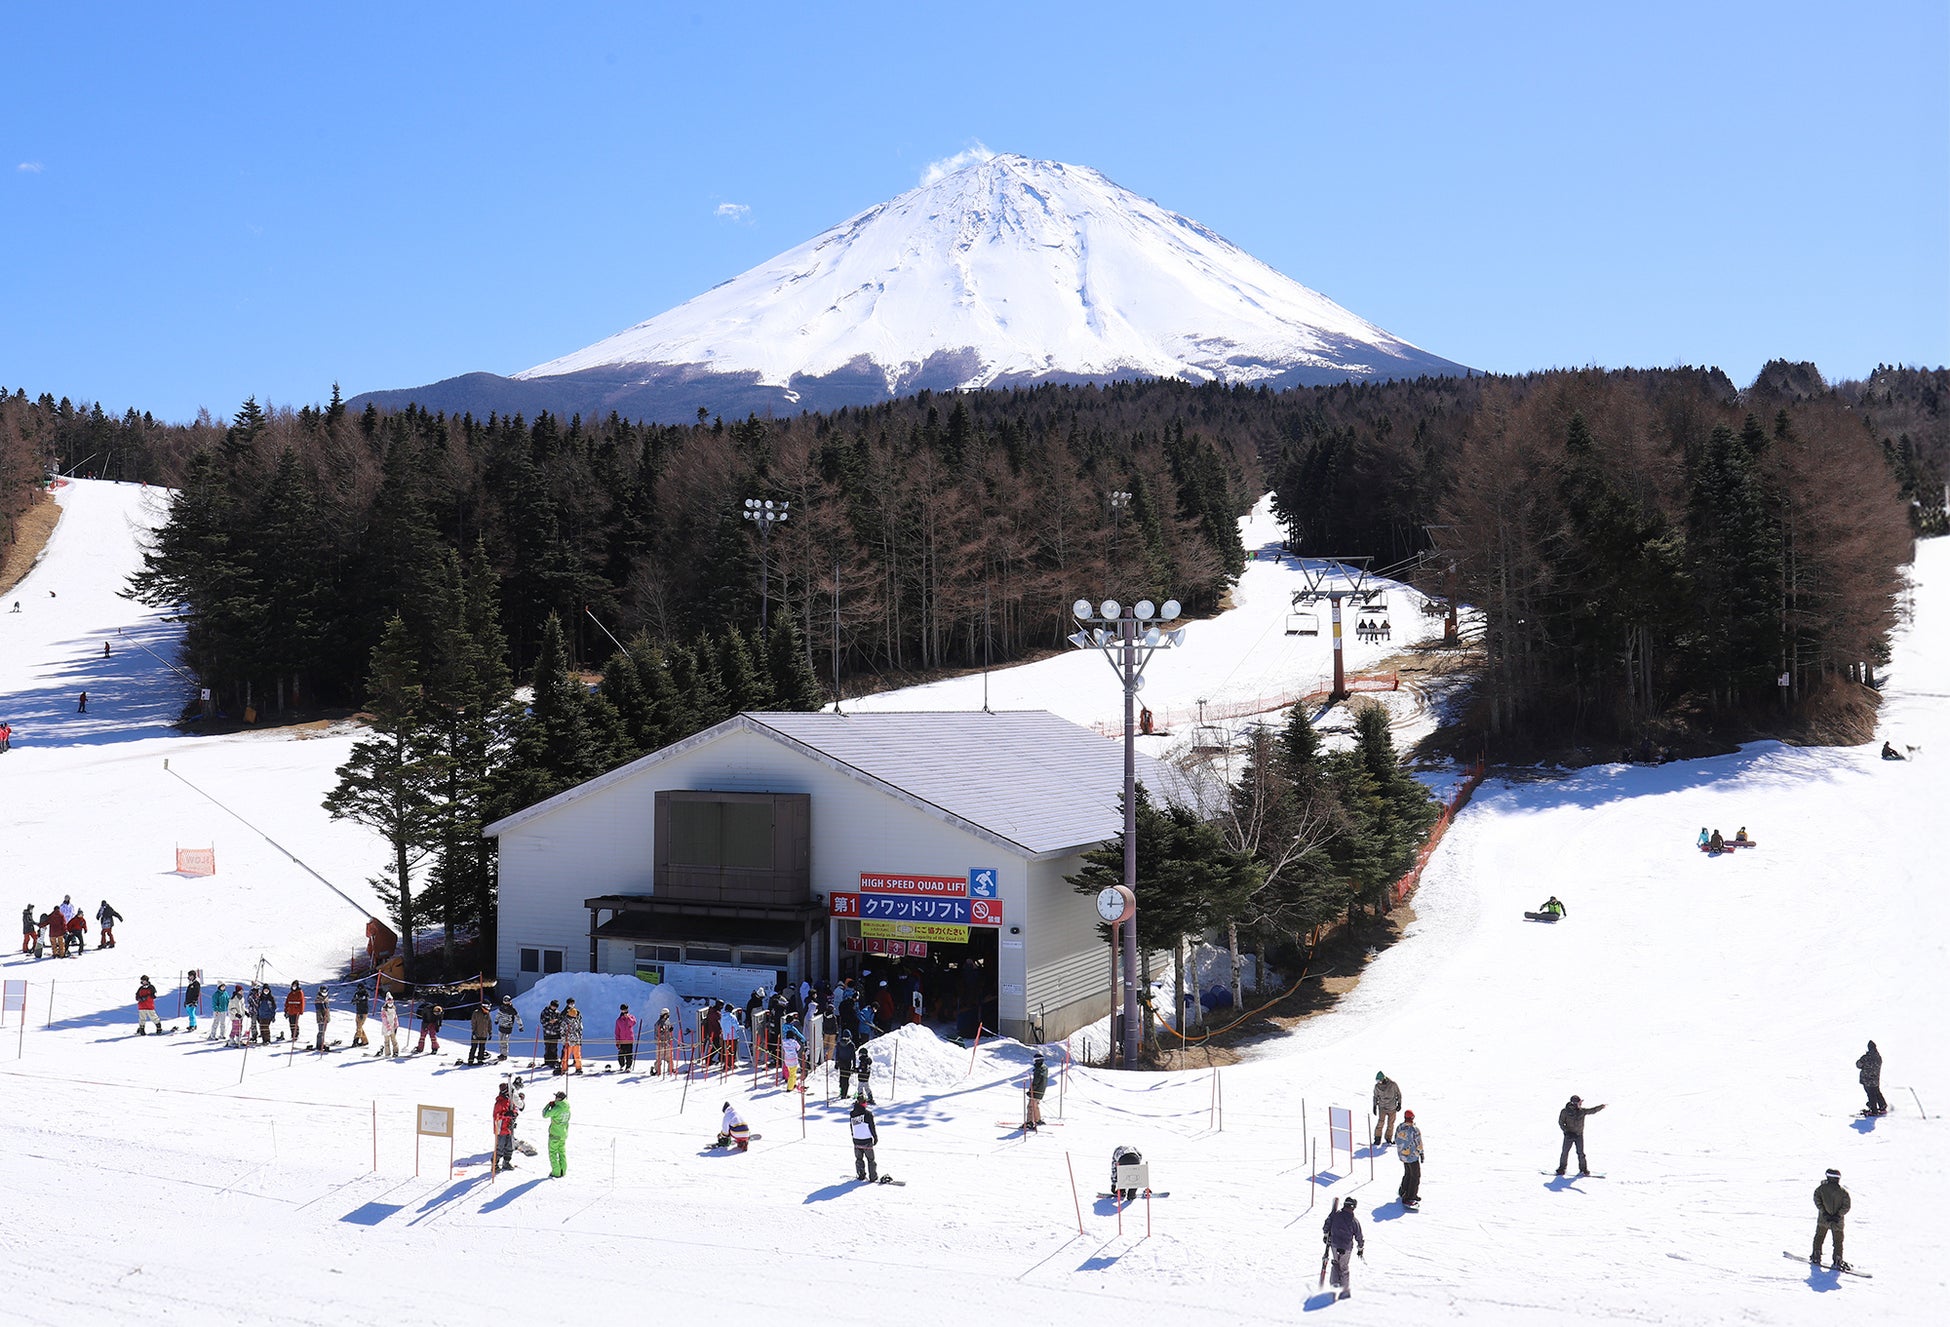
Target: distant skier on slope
point(1890, 753)
point(105, 918)
point(1341, 1234)
point(1869, 1073)
point(1831, 1209)
point(1554, 907)
point(1571, 1121)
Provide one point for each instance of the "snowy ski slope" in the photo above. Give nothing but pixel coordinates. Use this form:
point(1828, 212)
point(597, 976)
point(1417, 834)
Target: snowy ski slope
point(1715, 1005)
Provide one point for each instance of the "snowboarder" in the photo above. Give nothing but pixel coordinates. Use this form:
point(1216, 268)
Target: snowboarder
point(1387, 1100)
point(1704, 838)
point(145, 1007)
point(1869, 1073)
point(843, 1052)
point(865, 1136)
point(504, 1131)
point(264, 1009)
point(1554, 907)
point(106, 917)
point(478, 1028)
point(361, 1006)
point(1740, 835)
point(626, 1025)
point(322, 1012)
point(389, 1026)
point(557, 1112)
point(1716, 844)
point(1408, 1146)
point(431, 1017)
point(1831, 1209)
point(571, 1037)
point(789, 1055)
point(507, 1021)
point(1123, 1155)
point(1038, 1085)
point(77, 931)
point(666, 1035)
point(81, 706)
point(239, 1006)
point(1890, 753)
point(1340, 1235)
point(1571, 1121)
point(30, 930)
point(552, 1034)
point(733, 1131)
point(294, 1007)
point(863, 1070)
point(192, 997)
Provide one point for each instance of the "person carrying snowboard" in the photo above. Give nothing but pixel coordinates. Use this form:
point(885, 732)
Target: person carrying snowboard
point(557, 1112)
point(1033, 1099)
point(1387, 1100)
point(507, 1021)
point(105, 918)
point(1408, 1146)
point(732, 1129)
point(865, 1137)
point(1831, 1208)
point(145, 1008)
point(1571, 1121)
point(1869, 1073)
point(504, 1131)
point(1340, 1236)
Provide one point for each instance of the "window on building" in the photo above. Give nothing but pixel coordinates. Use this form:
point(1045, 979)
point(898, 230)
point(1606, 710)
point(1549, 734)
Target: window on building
point(659, 954)
point(541, 960)
point(720, 954)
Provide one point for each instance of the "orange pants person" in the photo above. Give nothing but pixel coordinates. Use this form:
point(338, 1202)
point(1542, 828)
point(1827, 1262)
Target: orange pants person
point(571, 1051)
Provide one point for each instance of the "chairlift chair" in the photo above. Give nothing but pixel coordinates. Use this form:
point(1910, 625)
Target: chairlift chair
point(1303, 624)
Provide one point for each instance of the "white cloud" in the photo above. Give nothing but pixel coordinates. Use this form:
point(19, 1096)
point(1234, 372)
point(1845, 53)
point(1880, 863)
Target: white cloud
point(734, 212)
point(968, 156)
point(30, 167)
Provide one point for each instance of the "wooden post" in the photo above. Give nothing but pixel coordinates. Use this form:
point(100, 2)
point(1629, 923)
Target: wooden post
point(1073, 1191)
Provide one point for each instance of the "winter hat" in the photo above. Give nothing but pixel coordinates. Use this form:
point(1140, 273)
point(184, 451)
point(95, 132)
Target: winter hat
point(1577, 1100)
point(504, 1089)
point(1039, 1057)
point(1834, 1174)
point(626, 1009)
point(1409, 1115)
point(1350, 1204)
point(1379, 1075)
point(507, 999)
point(726, 1106)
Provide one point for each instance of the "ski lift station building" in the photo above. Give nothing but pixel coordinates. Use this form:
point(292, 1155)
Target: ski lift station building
point(815, 846)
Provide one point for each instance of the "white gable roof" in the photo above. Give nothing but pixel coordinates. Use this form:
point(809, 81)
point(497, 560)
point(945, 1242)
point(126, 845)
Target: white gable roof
point(1025, 779)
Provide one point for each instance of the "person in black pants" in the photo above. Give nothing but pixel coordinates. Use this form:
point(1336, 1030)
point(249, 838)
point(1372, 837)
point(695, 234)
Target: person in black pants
point(1869, 1074)
point(843, 1052)
point(551, 1033)
point(1571, 1121)
point(863, 1070)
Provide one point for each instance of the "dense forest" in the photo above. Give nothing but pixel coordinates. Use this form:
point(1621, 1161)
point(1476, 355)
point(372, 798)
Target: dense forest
point(1639, 543)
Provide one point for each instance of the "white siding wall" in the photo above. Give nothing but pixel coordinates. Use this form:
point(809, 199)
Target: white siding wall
point(1068, 965)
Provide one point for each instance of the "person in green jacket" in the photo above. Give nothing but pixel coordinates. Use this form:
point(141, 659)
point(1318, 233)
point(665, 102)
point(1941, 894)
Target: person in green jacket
point(1831, 1210)
point(557, 1113)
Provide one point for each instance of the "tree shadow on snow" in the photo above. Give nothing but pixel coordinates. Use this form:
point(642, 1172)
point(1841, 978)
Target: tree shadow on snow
point(131, 697)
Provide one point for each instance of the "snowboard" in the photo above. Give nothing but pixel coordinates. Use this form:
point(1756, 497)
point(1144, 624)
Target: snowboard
point(526, 1149)
point(1589, 1175)
point(1541, 917)
point(750, 1138)
point(889, 1179)
point(1155, 1193)
point(1826, 1267)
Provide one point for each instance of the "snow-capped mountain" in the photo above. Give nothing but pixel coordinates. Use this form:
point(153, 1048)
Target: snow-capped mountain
point(1008, 271)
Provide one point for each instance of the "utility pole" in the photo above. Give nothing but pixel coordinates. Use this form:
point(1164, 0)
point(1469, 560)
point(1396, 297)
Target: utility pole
point(767, 513)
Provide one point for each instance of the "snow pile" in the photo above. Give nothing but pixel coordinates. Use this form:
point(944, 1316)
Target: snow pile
point(926, 1062)
point(1005, 270)
point(600, 995)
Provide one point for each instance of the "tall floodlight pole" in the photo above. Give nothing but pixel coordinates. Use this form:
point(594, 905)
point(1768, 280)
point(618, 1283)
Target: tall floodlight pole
point(1128, 638)
point(767, 513)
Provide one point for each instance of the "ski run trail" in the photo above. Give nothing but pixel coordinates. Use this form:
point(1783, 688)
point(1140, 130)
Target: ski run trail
point(1716, 1006)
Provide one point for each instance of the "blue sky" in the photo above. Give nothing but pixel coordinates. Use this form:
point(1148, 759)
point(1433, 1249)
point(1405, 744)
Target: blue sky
point(200, 203)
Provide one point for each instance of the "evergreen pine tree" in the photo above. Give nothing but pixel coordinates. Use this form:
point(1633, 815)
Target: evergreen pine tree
point(794, 684)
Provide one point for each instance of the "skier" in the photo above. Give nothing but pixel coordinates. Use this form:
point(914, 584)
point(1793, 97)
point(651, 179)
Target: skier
point(504, 1131)
point(1831, 1209)
point(733, 1131)
point(557, 1112)
point(219, 1011)
point(626, 1025)
point(666, 1035)
point(843, 1052)
point(507, 1021)
point(1387, 1100)
point(863, 1070)
point(361, 1006)
point(81, 706)
point(389, 1026)
point(322, 1011)
point(1571, 1121)
point(1340, 1235)
point(478, 1027)
point(1408, 1146)
point(145, 1008)
point(239, 1005)
point(106, 917)
point(265, 1008)
point(551, 1033)
point(1554, 907)
point(431, 1017)
point(1038, 1085)
point(1869, 1074)
point(865, 1136)
point(571, 1037)
point(192, 997)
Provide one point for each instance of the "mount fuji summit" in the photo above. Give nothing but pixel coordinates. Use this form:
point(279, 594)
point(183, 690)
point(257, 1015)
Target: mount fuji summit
point(1007, 272)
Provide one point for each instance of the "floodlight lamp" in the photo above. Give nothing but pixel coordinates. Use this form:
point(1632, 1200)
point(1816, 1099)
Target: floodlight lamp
point(1175, 638)
point(1145, 609)
point(751, 502)
point(1080, 609)
point(1099, 637)
point(1110, 609)
point(1152, 637)
point(1080, 639)
point(1137, 683)
point(1170, 610)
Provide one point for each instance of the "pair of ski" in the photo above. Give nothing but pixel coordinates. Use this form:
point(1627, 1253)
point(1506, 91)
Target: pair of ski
point(1019, 1126)
point(1815, 1266)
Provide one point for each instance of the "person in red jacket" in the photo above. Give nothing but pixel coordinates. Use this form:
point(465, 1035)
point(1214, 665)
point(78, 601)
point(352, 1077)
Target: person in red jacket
point(294, 1007)
point(504, 1131)
point(145, 1007)
point(77, 932)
